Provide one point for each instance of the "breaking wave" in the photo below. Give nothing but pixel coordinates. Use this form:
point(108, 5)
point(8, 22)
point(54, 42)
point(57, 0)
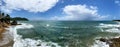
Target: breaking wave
point(114, 28)
point(28, 42)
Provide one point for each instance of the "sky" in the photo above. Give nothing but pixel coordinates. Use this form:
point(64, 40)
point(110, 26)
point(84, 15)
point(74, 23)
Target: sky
point(62, 9)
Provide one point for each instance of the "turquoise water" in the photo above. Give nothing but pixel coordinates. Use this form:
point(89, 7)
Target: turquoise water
point(71, 33)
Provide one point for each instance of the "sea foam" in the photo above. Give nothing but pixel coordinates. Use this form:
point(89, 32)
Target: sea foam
point(114, 28)
point(28, 42)
point(100, 44)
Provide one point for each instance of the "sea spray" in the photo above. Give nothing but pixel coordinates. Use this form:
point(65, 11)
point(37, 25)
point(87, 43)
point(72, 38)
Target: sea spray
point(27, 42)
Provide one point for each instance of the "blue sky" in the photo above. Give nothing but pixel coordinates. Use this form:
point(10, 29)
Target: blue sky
point(63, 9)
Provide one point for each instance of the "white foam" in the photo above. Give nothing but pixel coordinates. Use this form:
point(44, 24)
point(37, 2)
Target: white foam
point(100, 44)
point(24, 26)
point(47, 25)
point(27, 42)
point(114, 28)
point(108, 25)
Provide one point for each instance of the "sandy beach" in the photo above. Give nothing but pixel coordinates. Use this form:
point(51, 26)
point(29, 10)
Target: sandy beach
point(5, 38)
point(1, 31)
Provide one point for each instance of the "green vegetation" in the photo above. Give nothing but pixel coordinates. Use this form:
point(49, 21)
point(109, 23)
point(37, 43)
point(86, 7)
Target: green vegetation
point(6, 20)
point(19, 19)
point(4, 16)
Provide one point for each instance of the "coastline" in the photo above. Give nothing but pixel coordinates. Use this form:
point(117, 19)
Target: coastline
point(6, 40)
point(3, 25)
point(113, 42)
point(2, 30)
point(6, 37)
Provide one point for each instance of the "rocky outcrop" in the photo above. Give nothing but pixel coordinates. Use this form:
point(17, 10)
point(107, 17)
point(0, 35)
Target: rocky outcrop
point(6, 20)
point(14, 23)
point(113, 42)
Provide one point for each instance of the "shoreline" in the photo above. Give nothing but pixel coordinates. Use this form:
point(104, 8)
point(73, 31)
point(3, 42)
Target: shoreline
point(5, 38)
point(2, 30)
point(112, 42)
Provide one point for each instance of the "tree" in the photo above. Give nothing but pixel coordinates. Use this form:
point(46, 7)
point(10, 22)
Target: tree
point(3, 14)
point(0, 15)
point(7, 18)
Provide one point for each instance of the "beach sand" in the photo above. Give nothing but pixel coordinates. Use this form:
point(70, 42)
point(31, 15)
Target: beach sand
point(6, 40)
point(10, 44)
point(2, 30)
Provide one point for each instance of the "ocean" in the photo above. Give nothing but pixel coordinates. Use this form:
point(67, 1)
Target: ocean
point(63, 33)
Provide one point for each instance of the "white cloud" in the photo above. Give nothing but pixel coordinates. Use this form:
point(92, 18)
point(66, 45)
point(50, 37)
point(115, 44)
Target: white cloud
point(29, 5)
point(80, 12)
point(117, 2)
point(0, 3)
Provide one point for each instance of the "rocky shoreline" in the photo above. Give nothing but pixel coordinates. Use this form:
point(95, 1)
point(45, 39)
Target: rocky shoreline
point(113, 42)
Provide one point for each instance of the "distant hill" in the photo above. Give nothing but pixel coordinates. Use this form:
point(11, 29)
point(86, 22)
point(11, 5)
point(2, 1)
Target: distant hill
point(19, 19)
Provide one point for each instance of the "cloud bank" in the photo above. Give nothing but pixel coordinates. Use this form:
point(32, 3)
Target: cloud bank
point(117, 2)
point(80, 12)
point(28, 5)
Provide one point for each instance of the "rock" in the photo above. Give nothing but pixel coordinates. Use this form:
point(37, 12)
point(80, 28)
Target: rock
point(14, 23)
point(103, 39)
point(113, 42)
point(39, 45)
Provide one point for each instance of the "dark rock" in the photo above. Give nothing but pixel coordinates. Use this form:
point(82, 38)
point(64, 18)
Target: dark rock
point(39, 45)
point(14, 23)
point(103, 39)
point(113, 42)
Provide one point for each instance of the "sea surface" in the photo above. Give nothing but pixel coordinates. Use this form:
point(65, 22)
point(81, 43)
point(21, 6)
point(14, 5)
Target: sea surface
point(64, 33)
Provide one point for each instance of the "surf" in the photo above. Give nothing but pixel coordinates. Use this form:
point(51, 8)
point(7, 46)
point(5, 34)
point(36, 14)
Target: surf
point(27, 42)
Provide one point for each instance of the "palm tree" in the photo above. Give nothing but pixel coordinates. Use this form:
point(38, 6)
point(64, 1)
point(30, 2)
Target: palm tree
point(0, 13)
point(7, 18)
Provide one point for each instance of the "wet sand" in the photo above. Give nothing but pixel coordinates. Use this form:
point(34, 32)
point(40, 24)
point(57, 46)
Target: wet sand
point(6, 40)
point(10, 44)
point(2, 30)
